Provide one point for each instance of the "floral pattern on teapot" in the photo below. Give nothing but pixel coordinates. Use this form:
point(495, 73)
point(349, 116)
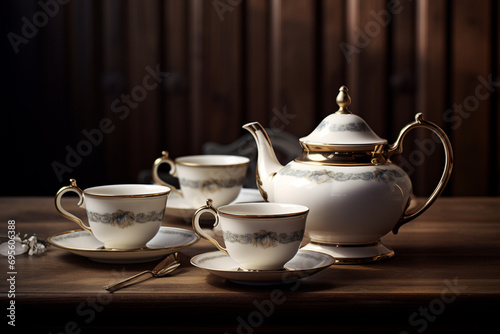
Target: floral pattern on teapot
point(350, 127)
point(324, 175)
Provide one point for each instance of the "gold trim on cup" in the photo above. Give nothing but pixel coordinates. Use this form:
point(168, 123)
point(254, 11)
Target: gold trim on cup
point(128, 196)
point(197, 164)
point(252, 216)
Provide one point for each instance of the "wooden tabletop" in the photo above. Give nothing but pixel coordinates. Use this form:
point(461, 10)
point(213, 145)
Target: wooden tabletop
point(445, 277)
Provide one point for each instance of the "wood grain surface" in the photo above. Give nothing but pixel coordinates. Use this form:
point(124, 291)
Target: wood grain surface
point(445, 277)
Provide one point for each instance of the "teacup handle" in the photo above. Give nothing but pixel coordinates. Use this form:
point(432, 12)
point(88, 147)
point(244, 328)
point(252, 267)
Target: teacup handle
point(73, 188)
point(397, 148)
point(173, 171)
point(196, 223)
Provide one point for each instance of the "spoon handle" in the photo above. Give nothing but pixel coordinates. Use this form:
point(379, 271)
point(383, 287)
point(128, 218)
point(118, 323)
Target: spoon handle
point(142, 276)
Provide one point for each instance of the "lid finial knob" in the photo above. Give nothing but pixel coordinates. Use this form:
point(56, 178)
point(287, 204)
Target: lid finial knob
point(343, 101)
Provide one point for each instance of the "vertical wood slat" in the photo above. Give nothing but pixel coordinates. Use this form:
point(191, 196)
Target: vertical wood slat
point(257, 55)
point(402, 67)
point(84, 62)
point(367, 68)
point(144, 122)
point(495, 171)
point(431, 87)
point(298, 78)
point(284, 72)
point(175, 44)
point(196, 56)
point(54, 96)
point(221, 78)
point(400, 22)
point(424, 168)
point(276, 96)
point(402, 96)
point(470, 118)
point(113, 64)
point(369, 80)
point(333, 62)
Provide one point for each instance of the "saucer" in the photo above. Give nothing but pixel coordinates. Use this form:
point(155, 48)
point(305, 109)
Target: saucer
point(304, 264)
point(83, 243)
point(353, 254)
point(177, 207)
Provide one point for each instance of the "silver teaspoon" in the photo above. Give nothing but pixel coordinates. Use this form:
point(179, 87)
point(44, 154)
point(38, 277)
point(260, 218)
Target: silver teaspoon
point(166, 266)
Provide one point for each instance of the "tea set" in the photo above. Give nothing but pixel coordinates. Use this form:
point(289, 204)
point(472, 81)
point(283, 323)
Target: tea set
point(342, 192)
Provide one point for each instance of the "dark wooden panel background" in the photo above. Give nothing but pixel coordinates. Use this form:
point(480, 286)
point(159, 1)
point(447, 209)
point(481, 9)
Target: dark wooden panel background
point(279, 62)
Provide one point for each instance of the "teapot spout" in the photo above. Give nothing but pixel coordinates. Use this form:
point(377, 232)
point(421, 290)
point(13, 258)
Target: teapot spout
point(267, 163)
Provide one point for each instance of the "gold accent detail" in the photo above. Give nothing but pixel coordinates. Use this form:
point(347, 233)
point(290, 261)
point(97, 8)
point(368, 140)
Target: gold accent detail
point(165, 159)
point(127, 196)
point(283, 215)
point(166, 266)
point(196, 223)
point(359, 260)
point(378, 157)
point(330, 155)
point(362, 260)
point(263, 193)
point(338, 245)
point(142, 249)
point(336, 158)
point(193, 164)
point(261, 270)
point(397, 148)
point(343, 100)
point(256, 127)
point(323, 147)
point(74, 188)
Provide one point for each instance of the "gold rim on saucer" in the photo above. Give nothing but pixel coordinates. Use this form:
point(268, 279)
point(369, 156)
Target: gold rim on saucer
point(195, 237)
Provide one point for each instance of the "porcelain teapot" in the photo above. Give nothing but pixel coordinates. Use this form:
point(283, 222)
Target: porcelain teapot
point(344, 174)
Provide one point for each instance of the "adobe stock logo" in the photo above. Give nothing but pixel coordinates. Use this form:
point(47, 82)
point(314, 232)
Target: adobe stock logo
point(40, 19)
point(428, 314)
point(225, 6)
point(362, 38)
point(121, 108)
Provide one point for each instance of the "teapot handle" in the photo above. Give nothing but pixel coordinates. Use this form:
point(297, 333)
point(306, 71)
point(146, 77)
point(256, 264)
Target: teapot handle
point(397, 148)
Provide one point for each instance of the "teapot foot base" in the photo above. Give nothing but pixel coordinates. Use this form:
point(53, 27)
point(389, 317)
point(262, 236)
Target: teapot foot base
point(353, 254)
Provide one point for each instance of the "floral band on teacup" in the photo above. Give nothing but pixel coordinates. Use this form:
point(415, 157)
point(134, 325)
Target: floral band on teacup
point(124, 219)
point(263, 238)
point(212, 183)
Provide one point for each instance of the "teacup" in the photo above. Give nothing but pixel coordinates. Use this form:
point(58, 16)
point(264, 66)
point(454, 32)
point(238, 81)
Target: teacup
point(123, 216)
point(219, 177)
point(258, 236)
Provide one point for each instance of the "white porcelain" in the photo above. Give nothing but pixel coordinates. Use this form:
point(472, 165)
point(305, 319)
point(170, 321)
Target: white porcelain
point(353, 254)
point(219, 177)
point(124, 216)
point(177, 207)
point(349, 205)
point(258, 236)
point(83, 243)
point(343, 129)
point(303, 264)
point(346, 178)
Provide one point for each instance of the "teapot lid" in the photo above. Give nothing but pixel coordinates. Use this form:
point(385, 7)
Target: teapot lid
point(342, 128)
